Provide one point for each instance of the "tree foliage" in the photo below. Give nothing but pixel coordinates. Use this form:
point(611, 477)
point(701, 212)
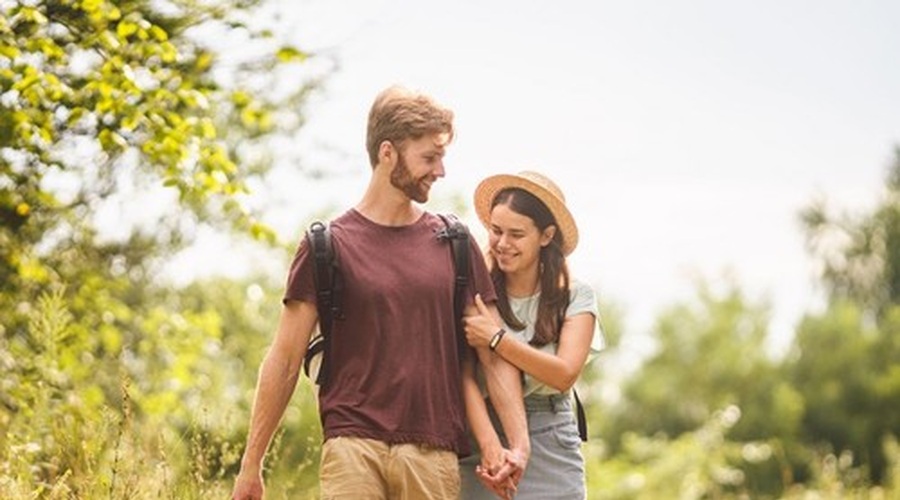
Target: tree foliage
point(91, 87)
point(827, 412)
point(850, 384)
point(846, 358)
point(708, 355)
point(859, 254)
point(101, 101)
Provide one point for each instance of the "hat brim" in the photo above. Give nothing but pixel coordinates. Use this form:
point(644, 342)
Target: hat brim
point(488, 189)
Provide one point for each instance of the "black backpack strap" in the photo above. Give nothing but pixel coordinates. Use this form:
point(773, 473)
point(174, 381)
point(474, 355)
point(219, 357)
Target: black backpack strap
point(328, 301)
point(582, 418)
point(458, 234)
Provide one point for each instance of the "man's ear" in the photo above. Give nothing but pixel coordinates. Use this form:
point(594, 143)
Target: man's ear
point(387, 154)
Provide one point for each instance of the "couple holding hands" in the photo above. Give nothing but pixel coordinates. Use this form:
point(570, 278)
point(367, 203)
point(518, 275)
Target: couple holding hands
point(406, 412)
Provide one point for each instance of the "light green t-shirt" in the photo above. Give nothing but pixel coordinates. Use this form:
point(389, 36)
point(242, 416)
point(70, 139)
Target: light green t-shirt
point(581, 300)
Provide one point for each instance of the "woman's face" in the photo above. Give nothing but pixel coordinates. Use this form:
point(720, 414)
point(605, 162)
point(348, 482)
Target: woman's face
point(515, 241)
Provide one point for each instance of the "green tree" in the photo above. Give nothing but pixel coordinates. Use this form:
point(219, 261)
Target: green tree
point(100, 100)
point(850, 397)
point(90, 89)
point(702, 463)
point(710, 355)
point(859, 254)
point(845, 361)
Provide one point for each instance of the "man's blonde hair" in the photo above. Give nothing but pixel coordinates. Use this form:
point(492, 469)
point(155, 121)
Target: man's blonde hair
point(399, 114)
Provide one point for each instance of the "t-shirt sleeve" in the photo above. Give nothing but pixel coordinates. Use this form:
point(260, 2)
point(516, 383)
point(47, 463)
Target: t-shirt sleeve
point(583, 299)
point(479, 277)
point(300, 284)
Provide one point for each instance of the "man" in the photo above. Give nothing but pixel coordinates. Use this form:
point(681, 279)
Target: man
point(391, 408)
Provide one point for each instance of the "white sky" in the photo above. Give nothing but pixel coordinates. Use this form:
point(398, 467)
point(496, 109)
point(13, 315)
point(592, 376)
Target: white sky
point(686, 135)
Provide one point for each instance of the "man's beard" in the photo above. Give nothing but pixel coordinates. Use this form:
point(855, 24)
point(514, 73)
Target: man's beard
point(402, 179)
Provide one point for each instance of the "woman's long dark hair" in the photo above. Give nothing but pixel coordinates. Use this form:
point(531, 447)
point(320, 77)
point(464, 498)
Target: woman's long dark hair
point(554, 273)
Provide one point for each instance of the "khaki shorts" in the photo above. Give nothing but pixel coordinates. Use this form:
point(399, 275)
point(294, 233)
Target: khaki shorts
point(367, 469)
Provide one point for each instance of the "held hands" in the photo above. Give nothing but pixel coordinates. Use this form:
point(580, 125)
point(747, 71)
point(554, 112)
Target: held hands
point(501, 476)
point(479, 324)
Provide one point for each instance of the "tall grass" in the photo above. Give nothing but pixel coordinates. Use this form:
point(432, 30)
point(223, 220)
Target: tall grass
point(62, 437)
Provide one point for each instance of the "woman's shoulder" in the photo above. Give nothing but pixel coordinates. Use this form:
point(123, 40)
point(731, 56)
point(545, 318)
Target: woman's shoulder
point(582, 297)
point(578, 288)
point(584, 300)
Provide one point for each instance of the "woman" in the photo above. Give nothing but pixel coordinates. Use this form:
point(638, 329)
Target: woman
point(549, 325)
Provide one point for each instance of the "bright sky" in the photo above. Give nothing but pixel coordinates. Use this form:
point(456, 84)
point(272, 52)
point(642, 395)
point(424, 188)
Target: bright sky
point(686, 135)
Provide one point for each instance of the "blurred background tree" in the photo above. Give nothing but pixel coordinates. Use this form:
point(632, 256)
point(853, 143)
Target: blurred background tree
point(131, 113)
point(824, 417)
point(846, 359)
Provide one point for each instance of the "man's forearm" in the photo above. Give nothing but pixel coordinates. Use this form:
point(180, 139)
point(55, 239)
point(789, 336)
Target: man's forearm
point(476, 410)
point(504, 385)
point(274, 388)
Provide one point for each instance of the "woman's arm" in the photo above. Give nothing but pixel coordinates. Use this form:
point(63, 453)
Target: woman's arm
point(560, 370)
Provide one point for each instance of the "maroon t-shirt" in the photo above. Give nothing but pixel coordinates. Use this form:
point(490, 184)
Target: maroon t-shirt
point(395, 367)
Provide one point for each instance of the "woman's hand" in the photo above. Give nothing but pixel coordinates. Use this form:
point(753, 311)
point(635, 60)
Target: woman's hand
point(495, 472)
point(503, 481)
point(479, 324)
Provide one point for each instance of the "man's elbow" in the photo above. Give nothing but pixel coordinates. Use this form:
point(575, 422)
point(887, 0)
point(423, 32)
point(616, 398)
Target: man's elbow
point(281, 364)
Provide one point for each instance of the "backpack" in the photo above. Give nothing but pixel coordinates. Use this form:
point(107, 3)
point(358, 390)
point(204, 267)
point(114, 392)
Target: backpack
point(329, 285)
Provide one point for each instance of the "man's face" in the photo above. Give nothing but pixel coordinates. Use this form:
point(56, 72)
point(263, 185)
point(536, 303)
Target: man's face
point(419, 163)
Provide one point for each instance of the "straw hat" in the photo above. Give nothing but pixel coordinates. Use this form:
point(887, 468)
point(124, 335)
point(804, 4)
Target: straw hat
point(538, 185)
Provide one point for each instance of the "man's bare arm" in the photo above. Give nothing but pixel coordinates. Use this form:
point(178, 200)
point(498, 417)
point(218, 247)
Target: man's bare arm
point(493, 455)
point(504, 385)
point(278, 376)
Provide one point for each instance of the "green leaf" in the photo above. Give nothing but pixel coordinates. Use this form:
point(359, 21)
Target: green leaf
point(124, 29)
point(158, 33)
point(33, 15)
point(290, 54)
point(91, 6)
point(207, 129)
point(9, 51)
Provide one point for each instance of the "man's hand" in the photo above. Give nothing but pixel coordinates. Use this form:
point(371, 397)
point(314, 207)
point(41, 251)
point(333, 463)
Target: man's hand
point(488, 472)
point(248, 485)
point(503, 480)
